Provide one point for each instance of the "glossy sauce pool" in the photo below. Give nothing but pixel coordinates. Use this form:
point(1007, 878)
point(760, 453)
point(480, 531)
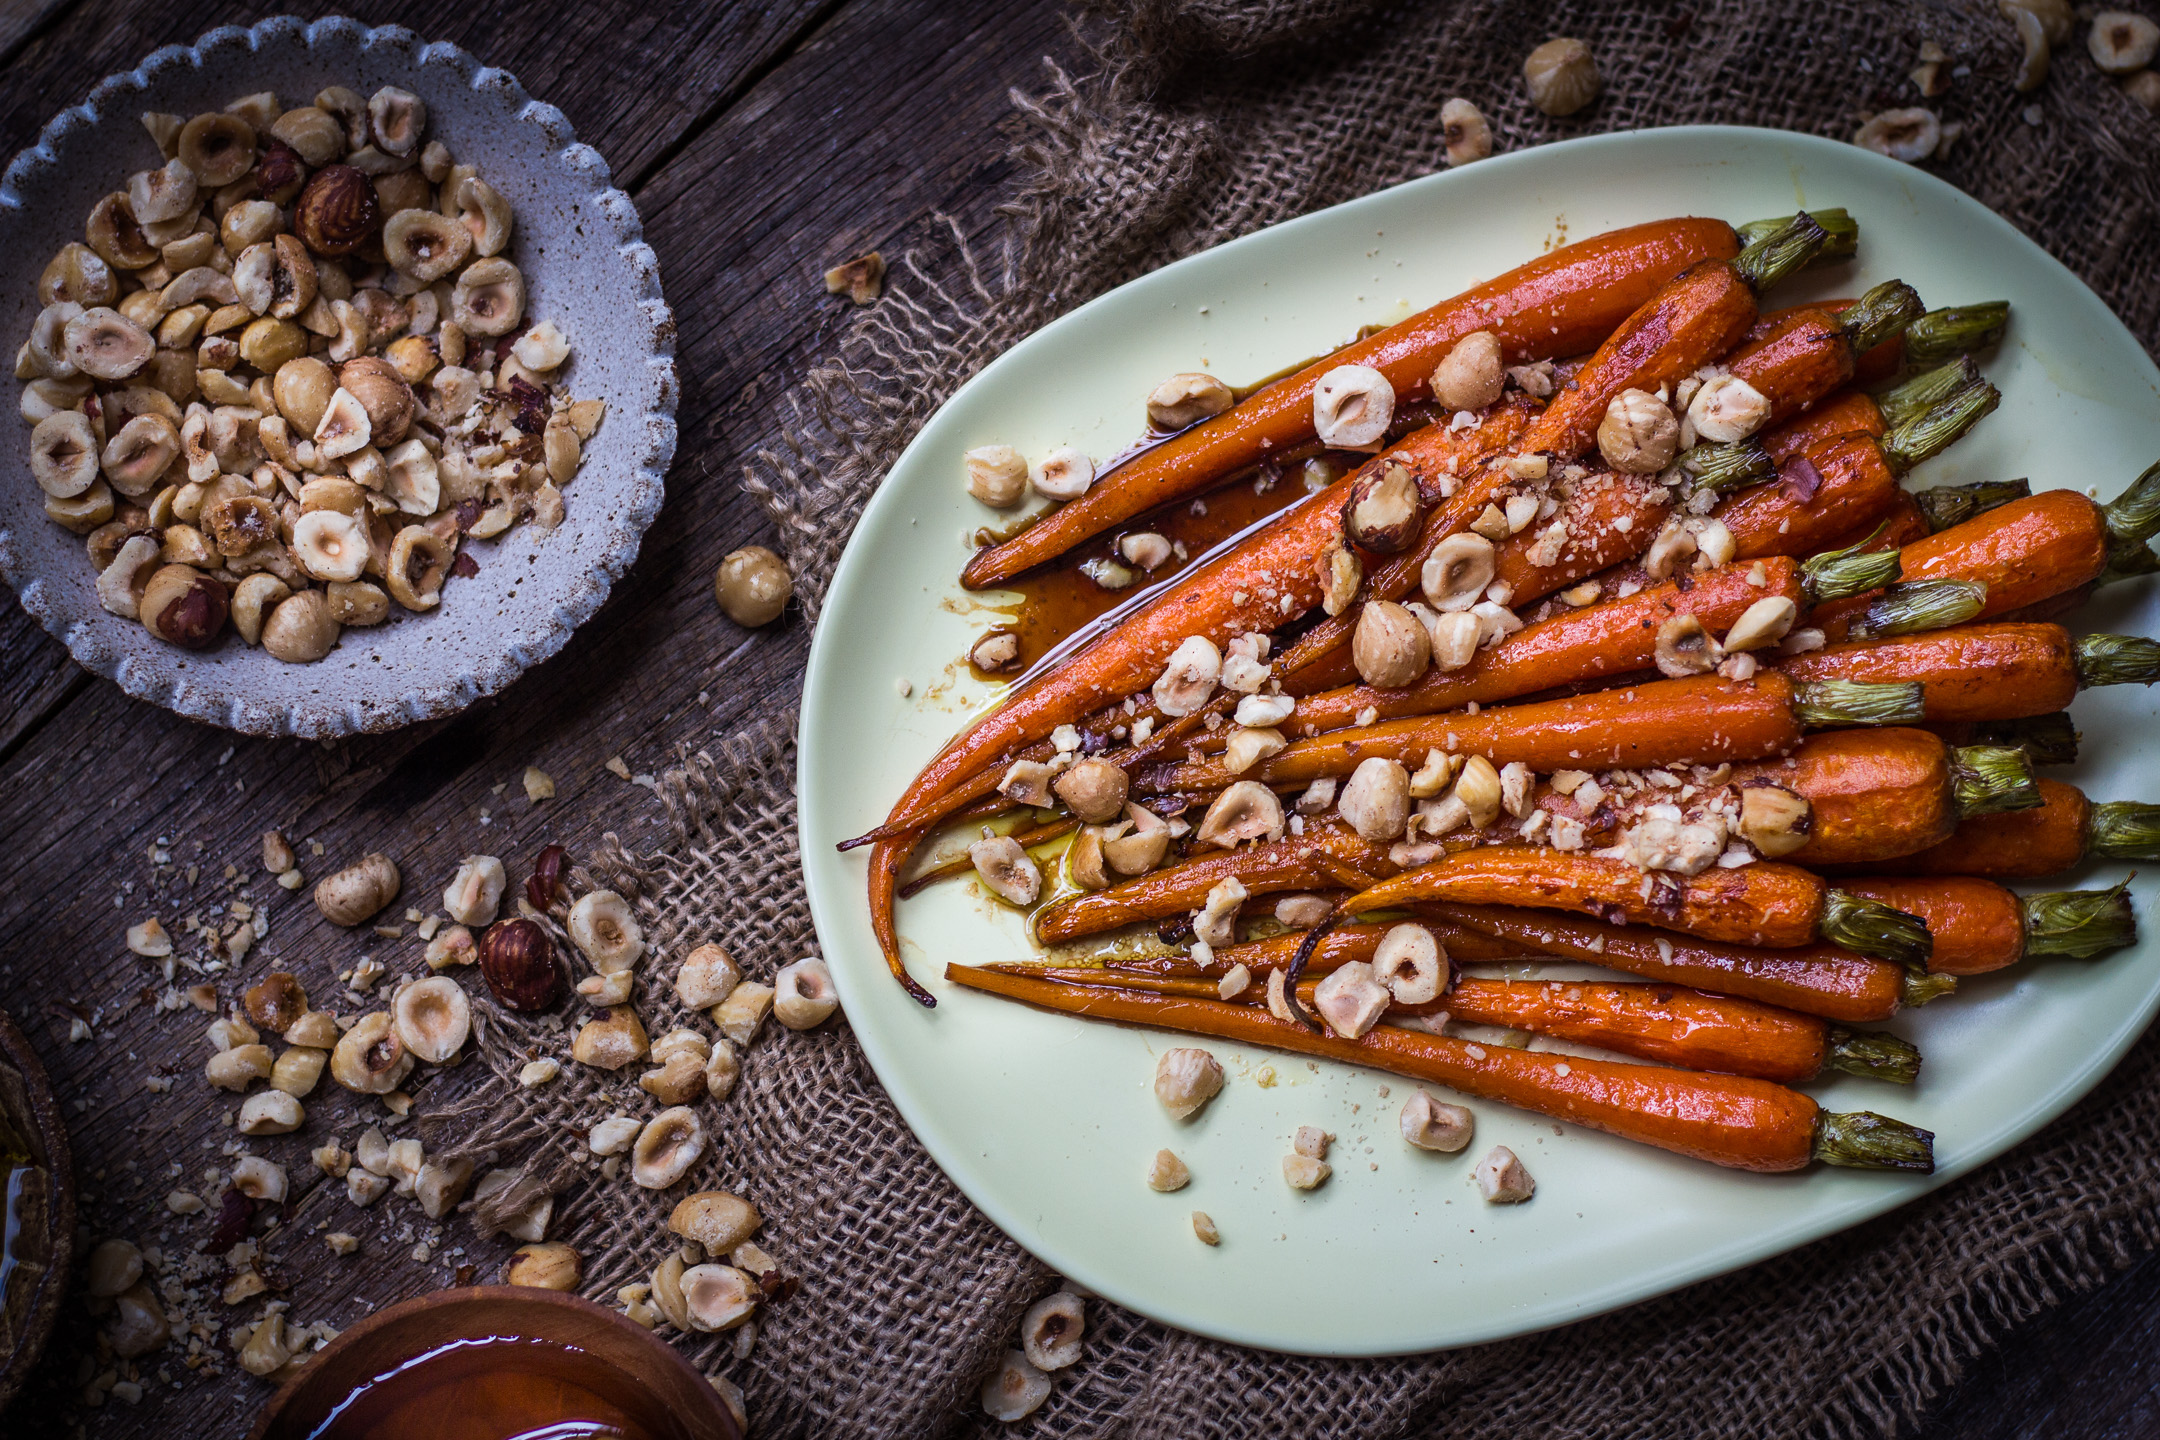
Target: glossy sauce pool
point(502, 1387)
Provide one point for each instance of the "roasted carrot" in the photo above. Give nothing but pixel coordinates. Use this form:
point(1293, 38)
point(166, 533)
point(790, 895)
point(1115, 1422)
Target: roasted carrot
point(1662, 722)
point(2060, 834)
point(1979, 926)
point(1800, 355)
point(1989, 672)
point(1670, 1024)
point(1601, 641)
point(1563, 303)
point(1825, 980)
point(1766, 904)
point(1323, 855)
point(1937, 336)
point(1736, 1121)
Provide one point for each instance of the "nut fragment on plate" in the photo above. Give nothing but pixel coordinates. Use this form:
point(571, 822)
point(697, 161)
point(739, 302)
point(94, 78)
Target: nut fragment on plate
point(373, 334)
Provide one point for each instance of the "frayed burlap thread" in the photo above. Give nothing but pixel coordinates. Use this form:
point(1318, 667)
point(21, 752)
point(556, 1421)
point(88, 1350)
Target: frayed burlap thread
point(1185, 123)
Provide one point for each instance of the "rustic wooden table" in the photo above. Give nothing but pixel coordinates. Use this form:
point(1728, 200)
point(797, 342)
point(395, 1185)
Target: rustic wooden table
point(762, 144)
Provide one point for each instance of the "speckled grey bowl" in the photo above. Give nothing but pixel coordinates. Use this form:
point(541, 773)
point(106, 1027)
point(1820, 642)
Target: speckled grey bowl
point(587, 267)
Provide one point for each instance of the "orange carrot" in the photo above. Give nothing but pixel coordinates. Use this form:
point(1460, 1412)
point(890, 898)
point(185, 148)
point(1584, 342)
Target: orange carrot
point(1979, 926)
point(1323, 855)
point(2059, 835)
point(1559, 304)
point(1970, 672)
point(1736, 1121)
point(1825, 980)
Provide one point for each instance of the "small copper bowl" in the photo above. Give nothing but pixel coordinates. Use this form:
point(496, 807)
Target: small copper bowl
point(641, 1372)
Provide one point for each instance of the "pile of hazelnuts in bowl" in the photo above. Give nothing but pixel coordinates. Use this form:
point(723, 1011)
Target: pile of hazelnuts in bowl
point(287, 374)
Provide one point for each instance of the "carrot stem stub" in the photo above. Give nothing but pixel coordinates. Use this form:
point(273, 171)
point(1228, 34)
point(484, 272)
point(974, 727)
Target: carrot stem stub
point(1730, 1120)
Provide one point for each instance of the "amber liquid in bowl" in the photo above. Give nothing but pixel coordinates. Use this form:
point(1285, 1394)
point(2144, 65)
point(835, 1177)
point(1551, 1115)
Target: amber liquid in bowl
point(502, 1387)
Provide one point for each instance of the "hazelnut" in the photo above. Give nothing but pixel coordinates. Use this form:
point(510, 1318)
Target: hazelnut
point(85, 512)
point(1910, 135)
point(78, 274)
point(315, 135)
point(355, 894)
point(1063, 474)
point(803, 994)
point(549, 1265)
point(1052, 1330)
point(160, 196)
point(667, 1147)
point(1727, 408)
point(1186, 1078)
point(184, 607)
point(336, 211)
point(708, 973)
point(1188, 678)
point(432, 1018)
point(1432, 1124)
point(239, 1066)
point(300, 628)
point(722, 1069)
point(1410, 962)
point(440, 1185)
point(1302, 1172)
point(136, 458)
point(603, 927)
point(743, 1012)
point(370, 1057)
point(1765, 622)
point(484, 213)
point(1187, 399)
point(270, 1112)
point(1390, 648)
point(715, 1219)
point(383, 393)
point(1384, 511)
point(996, 475)
point(276, 1002)
point(1501, 1178)
point(1095, 789)
point(106, 345)
point(718, 1297)
point(1015, 1390)
point(2144, 88)
point(298, 1069)
point(476, 890)
point(216, 149)
point(64, 454)
point(1352, 406)
point(275, 277)
point(489, 298)
point(1639, 434)
point(356, 602)
point(1470, 376)
point(752, 586)
point(1458, 570)
point(138, 1324)
point(1774, 820)
point(995, 651)
point(1341, 572)
point(314, 1029)
point(1350, 999)
point(269, 342)
point(1006, 869)
point(114, 1266)
point(116, 237)
point(302, 389)
point(1562, 76)
point(1464, 131)
point(396, 119)
point(1376, 801)
point(1684, 647)
point(518, 962)
point(1247, 810)
point(419, 559)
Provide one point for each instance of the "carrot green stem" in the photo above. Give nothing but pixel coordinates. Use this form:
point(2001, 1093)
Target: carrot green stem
point(1841, 233)
point(1820, 704)
point(1728, 466)
point(2123, 830)
point(1917, 989)
point(1948, 505)
point(1933, 431)
point(1920, 605)
point(2115, 660)
point(1955, 330)
point(1781, 251)
point(1872, 1054)
point(2045, 739)
point(1864, 1140)
point(1881, 313)
point(1923, 392)
point(2134, 515)
point(1836, 574)
point(1873, 928)
point(1992, 779)
point(2127, 560)
point(2079, 923)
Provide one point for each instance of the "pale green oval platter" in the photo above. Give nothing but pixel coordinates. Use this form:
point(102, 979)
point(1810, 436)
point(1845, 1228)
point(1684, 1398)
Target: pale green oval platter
point(1048, 1123)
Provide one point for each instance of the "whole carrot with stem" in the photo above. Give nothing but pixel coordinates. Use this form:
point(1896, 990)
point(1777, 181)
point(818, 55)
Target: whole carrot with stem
point(1735, 1121)
point(1325, 854)
point(1825, 980)
point(2000, 671)
point(2062, 833)
point(1662, 722)
point(1979, 926)
point(1950, 333)
point(1668, 1024)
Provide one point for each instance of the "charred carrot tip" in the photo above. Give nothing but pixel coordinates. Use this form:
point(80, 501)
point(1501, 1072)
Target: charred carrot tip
point(1948, 505)
point(1872, 1055)
point(2115, 660)
point(1955, 330)
point(1863, 1140)
point(1992, 780)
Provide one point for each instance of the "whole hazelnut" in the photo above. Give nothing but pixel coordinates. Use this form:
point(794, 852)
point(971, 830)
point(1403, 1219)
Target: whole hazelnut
point(518, 961)
point(752, 586)
point(1562, 76)
point(383, 393)
point(355, 894)
point(336, 211)
point(279, 171)
point(184, 607)
point(1384, 511)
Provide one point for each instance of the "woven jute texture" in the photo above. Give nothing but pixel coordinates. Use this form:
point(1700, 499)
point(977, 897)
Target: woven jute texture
point(1188, 124)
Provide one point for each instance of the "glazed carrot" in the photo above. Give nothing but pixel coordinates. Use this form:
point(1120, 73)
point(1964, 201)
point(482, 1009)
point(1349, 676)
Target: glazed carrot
point(1735, 1121)
point(1766, 904)
point(1613, 638)
point(1825, 980)
point(1936, 336)
point(1323, 855)
point(1979, 926)
point(1989, 672)
point(1900, 525)
point(2046, 739)
point(1798, 356)
point(1662, 722)
point(1559, 304)
point(2061, 834)
point(1669, 1024)
point(1689, 322)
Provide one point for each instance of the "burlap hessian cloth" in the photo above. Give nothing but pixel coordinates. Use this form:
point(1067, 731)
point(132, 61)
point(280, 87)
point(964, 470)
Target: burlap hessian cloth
point(1194, 121)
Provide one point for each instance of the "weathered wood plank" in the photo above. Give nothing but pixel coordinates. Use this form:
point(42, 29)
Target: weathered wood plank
point(745, 215)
